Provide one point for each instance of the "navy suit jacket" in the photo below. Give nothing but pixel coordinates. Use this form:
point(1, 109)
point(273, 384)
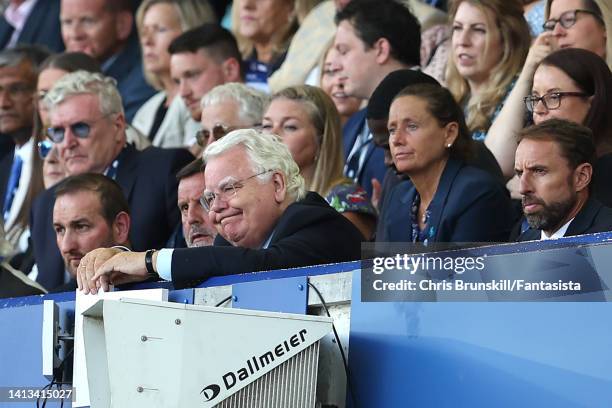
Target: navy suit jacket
point(469, 205)
point(374, 165)
point(127, 70)
point(6, 162)
point(309, 232)
point(42, 27)
point(148, 181)
point(593, 217)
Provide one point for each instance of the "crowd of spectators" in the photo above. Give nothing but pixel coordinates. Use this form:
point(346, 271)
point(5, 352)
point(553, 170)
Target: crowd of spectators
point(293, 131)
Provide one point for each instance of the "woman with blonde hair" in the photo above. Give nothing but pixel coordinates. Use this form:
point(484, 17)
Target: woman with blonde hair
point(164, 118)
point(263, 30)
point(307, 121)
point(490, 41)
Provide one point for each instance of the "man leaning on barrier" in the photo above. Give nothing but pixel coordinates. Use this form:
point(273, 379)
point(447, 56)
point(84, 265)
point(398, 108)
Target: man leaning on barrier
point(256, 199)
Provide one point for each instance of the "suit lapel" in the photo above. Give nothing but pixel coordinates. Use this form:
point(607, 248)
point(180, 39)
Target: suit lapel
point(5, 172)
point(352, 129)
point(126, 172)
point(530, 235)
point(438, 203)
point(6, 30)
point(399, 225)
point(35, 20)
point(584, 219)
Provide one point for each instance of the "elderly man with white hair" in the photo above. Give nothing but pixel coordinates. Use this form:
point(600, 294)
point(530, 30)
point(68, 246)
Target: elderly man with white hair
point(88, 127)
point(266, 220)
point(229, 107)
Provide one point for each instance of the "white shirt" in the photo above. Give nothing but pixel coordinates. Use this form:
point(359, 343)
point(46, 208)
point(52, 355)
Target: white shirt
point(557, 234)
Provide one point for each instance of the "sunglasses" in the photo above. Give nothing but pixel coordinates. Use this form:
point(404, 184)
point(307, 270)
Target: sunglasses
point(79, 129)
point(44, 148)
point(217, 132)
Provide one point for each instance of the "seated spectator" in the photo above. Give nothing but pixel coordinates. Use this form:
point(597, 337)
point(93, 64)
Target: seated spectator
point(346, 105)
point(31, 22)
point(264, 30)
point(90, 212)
point(55, 67)
point(197, 227)
point(575, 84)
point(104, 30)
point(554, 164)
point(301, 65)
point(581, 24)
point(229, 107)
point(87, 124)
point(52, 169)
point(202, 58)
point(307, 121)
point(583, 29)
point(163, 118)
point(490, 42)
point(19, 183)
point(265, 218)
point(373, 39)
point(430, 143)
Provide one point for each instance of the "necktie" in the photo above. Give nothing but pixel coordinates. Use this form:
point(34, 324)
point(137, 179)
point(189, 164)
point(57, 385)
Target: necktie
point(11, 187)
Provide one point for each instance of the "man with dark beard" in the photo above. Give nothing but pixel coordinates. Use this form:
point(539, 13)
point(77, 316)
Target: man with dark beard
point(554, 162)
point(90, 211)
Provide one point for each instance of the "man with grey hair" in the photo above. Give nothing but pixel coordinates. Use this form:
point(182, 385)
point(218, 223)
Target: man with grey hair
point(18, 68)
point(229, 107)
point(104, 29)
point(255, 197)
point(88, 127)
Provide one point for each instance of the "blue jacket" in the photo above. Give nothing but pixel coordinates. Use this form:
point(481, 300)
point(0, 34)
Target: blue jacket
point(42, 27)
point(374, 164)
point(148, 181)
point(126, 68)
point(468, 206)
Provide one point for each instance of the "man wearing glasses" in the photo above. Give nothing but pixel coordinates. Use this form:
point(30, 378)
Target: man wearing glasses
point(87, 124)
point(266, 220)
point(554, 165)
point(18, 68)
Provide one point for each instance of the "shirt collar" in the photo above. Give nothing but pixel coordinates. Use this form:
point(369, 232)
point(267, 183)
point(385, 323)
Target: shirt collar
point(557, 234)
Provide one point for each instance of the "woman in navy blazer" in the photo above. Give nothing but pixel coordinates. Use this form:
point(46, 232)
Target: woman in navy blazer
point(445, 199)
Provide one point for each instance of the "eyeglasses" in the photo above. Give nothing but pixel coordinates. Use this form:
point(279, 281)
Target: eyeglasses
point(226, 192)
point(567, 19)
point(17, 90)
point(79, 129)
point(551, 100)
point(44, 148)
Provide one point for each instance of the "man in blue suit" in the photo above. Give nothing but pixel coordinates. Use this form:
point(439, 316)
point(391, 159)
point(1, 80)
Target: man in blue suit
point(88, 127)
point(104, 29)
point(373, 39)
point(32, 22)
point(554, 163)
